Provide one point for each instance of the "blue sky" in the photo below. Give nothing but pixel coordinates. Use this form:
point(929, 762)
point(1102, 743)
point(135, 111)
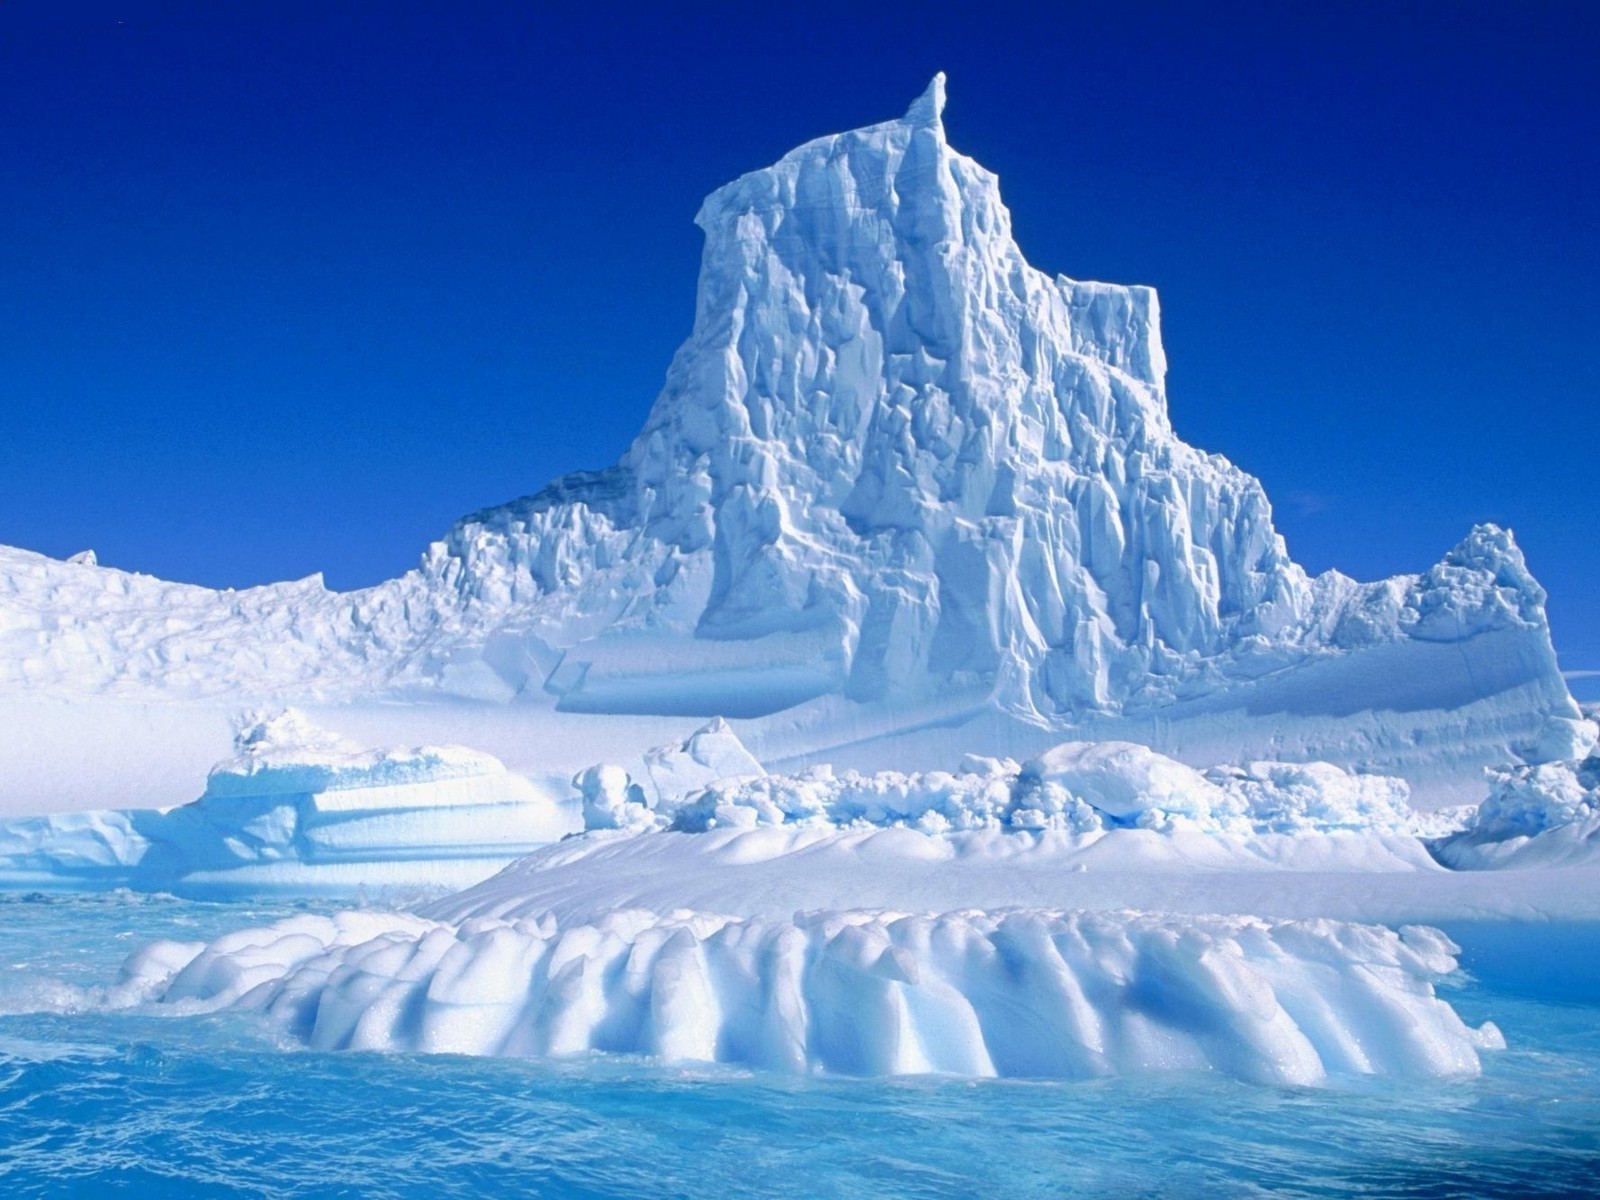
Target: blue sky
point(289, 287)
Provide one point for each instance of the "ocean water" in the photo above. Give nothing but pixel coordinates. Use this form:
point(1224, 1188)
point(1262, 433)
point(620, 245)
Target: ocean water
point(118, 1104)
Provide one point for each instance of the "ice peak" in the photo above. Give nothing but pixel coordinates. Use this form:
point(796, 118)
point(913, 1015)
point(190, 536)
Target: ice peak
point(927, 110)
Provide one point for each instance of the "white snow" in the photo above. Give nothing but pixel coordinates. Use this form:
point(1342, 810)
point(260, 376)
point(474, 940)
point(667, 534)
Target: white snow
point(1023, 993)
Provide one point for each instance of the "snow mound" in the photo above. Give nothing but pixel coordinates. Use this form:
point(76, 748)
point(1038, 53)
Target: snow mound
point(611, 800)
point(894, 468)
point(299, 809)
point(1125, 781)
point(1076, 787)
point(1022, 993)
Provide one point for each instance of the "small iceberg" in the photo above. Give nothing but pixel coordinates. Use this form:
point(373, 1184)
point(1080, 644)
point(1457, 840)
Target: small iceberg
point(300, 810)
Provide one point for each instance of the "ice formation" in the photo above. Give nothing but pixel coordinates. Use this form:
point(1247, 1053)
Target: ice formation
point(708, 755)
point(1075, 787)
point(1544, 814)
point(906, 506)
point(301, 810)
point(1024, 993)
point(898, 480)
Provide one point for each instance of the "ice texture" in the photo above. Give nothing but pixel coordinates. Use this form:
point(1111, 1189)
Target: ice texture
point(711, 753)
point(1544, 814)
point(1075, 787)
point(898, 480)
point(301, 810)
point(1021, 993)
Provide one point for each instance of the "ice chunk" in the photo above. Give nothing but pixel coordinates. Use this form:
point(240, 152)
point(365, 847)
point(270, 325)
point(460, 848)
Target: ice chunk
point(611, 800)
point(1539, 814)
point(1125, 780)
point(711, 753)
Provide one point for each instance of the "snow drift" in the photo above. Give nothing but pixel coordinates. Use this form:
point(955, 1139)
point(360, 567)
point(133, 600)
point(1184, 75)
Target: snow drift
point(1025, 993)
point(898, 479)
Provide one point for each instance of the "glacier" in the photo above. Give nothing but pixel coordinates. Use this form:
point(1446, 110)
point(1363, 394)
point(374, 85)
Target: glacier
point(899, 483)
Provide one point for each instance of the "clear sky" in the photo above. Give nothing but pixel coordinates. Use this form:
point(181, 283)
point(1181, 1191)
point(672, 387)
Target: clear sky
point(289, 287)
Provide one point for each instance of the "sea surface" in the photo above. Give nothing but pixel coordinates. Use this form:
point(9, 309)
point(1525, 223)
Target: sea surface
point(100, 1103)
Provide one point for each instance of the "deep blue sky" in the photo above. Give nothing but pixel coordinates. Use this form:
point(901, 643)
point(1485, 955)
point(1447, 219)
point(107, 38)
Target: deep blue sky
point(289, 287)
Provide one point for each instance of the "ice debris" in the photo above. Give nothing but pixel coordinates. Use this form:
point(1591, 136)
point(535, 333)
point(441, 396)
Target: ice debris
point(1075, 787)
point(1536, 814)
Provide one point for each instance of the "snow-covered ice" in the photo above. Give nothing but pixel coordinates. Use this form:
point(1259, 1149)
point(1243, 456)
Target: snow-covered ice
point(1542, 815)
point(1014, 692)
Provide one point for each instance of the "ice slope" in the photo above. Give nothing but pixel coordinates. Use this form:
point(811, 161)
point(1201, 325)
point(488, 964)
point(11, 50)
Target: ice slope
point(303, 811)
point(1024, 993)
point(897, 479)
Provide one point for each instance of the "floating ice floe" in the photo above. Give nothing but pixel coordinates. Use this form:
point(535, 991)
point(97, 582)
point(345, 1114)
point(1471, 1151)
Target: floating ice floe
point(1022, 993)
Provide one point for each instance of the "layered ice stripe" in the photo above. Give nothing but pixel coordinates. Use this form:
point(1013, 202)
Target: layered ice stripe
point(1027, 992)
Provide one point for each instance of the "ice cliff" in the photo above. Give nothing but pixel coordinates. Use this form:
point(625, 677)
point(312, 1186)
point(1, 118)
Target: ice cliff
point(893, 465)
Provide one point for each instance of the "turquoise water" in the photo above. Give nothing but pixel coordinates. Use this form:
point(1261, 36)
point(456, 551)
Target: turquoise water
point(108, 1104)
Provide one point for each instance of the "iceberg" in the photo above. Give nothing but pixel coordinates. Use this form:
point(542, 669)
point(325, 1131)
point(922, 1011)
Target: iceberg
point(1025, 993)
point(1014, 695)
point(303, 811)
point(1542, 815)
point(900, 488)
